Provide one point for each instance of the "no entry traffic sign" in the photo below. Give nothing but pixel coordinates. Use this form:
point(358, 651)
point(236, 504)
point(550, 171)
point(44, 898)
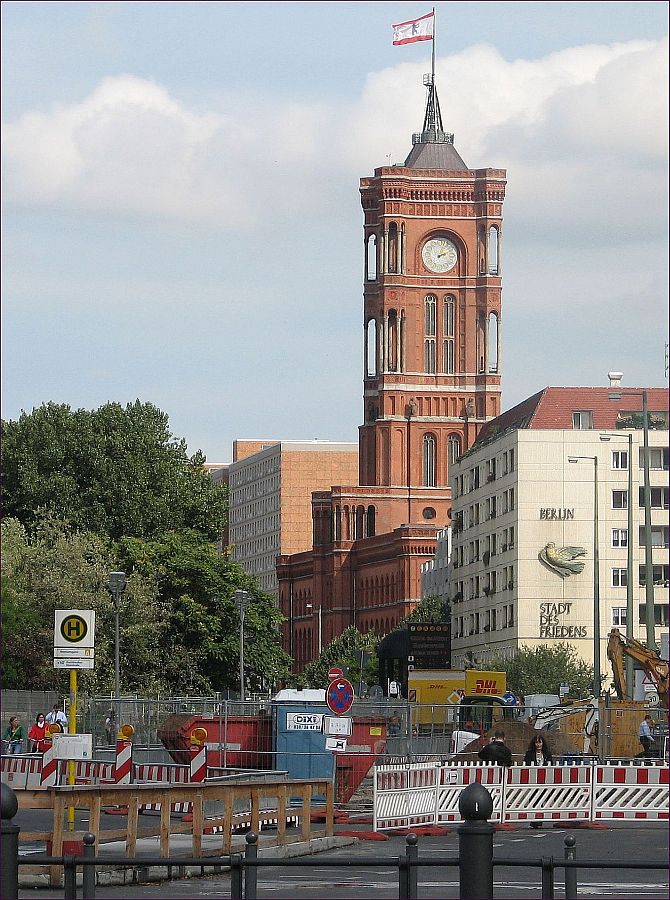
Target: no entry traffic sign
point(335, 673)
point(340, 696)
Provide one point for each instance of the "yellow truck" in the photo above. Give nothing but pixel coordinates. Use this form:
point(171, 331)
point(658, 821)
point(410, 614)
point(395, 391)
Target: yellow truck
point(437, 693)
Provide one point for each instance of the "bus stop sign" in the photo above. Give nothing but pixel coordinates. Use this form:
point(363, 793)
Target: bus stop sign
point(340, 696)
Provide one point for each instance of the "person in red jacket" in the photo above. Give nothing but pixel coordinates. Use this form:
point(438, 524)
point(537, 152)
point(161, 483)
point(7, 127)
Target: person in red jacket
point(37, 734)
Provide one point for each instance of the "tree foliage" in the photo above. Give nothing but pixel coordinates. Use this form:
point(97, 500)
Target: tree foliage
point(345, 652)
point(542, 670)
point(114, 471)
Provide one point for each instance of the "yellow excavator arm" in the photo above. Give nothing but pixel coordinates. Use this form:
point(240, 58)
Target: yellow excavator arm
point(618, 647)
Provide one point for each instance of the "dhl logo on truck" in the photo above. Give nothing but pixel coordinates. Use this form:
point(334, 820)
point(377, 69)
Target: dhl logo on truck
point(485, 683)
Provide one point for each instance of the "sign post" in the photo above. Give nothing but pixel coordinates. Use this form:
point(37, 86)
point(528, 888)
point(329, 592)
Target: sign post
point(74, 648)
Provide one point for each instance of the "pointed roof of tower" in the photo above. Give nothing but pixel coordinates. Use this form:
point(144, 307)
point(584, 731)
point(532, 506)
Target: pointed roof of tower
point(433, 147)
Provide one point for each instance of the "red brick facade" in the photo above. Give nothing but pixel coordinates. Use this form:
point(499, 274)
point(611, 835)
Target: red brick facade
point(432, 306)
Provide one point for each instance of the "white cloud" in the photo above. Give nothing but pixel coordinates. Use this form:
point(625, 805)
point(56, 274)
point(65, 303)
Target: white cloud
point(583, 123)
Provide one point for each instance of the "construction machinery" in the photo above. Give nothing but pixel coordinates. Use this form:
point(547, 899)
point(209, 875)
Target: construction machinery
point(655, 668)
point(604, 725)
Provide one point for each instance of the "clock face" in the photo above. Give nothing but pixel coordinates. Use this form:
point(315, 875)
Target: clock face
point(439, 255)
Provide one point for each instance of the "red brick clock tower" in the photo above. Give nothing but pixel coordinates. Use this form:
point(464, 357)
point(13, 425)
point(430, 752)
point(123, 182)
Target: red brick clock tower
point(432, 304)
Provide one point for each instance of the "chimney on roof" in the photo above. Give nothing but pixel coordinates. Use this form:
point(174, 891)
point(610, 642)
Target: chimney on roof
point(615, 379)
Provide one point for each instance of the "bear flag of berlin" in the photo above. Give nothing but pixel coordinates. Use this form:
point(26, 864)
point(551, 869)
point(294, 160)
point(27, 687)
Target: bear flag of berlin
point(420, 29)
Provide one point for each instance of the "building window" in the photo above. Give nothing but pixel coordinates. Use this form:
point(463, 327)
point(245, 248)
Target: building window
point(619, 577)
point(582, 420)
point(659, 575)
point(619, 537)
point(658, 458)
point(619, 499)
point(493, 249)
point(448, 334)
point(660, 614)
point(659, 536)
point(620, 459)
point(429, 457)
point(454, 448)
point(659, 497)
point(430, 306)
point(619, 616)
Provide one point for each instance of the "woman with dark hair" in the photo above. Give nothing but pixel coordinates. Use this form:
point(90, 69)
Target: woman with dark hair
point(538, 752)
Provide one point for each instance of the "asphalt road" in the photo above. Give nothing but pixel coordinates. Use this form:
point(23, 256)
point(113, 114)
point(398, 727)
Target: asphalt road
point(313, 877)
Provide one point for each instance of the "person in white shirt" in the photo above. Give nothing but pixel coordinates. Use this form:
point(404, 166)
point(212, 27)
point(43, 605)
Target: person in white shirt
point(646, 734)
point(58, 717)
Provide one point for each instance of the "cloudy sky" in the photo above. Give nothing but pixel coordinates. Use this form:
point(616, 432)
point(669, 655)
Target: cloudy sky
point(181, 216)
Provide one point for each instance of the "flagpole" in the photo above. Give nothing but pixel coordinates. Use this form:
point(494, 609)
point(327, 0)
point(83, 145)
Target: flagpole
point(432, 61)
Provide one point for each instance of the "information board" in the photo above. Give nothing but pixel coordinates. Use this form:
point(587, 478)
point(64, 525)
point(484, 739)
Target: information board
point(429, 645)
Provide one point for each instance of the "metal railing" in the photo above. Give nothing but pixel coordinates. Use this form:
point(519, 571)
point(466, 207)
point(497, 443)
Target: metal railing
point(476, 862)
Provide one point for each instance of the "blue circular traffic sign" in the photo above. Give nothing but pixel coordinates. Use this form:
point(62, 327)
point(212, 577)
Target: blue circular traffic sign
point(340, 696)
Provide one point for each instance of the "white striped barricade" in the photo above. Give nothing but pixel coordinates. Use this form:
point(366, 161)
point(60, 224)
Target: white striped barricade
point(404, 796)
point(633, 791)
point(15, 771)
point(453, 778)
point(548, 793)
point(162, 773)
point(50, 765)
point(123, 762)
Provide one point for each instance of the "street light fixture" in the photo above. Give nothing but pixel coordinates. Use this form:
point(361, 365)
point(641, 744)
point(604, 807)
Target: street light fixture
point(648, 559)
point(116, 585)
point(241, 598)
point(596, 576)
point(629, 557)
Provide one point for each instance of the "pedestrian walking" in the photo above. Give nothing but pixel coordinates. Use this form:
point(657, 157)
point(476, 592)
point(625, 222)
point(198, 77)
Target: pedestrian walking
point(110, 726)
point(538, 752)
point(646, 735)
point(37, 734)
point(57, 717)
point(14, 735)
point(497, 750)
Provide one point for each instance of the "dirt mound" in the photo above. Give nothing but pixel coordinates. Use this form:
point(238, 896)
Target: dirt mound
point(518, 735)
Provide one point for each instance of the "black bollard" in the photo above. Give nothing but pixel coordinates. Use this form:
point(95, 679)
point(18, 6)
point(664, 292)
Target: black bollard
point(251, 872)
point(9, 848)
point(412, 868)
point(570, 873)
point(88, 878)
point(475, 843)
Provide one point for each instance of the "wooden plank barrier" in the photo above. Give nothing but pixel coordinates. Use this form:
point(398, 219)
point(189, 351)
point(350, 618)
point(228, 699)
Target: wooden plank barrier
point(226, 795)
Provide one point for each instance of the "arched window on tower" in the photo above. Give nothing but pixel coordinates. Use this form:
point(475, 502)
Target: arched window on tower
point(493, 342)
point(371, 258)
point(430, 309)
point(393, 341)
point(449, 316)
point(371, 367)
point(494, 249)
point(429, 460)
point(370, 521)
point(454, 448)
point(394, 249)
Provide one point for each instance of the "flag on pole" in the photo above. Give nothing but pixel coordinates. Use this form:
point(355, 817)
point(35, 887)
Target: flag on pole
point(420, 29)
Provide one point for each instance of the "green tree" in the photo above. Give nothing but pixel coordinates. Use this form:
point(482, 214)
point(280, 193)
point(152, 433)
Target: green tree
point(115, 471)
point(55, 567)
point(542, 670)
point(345, 652)
point(199, 646)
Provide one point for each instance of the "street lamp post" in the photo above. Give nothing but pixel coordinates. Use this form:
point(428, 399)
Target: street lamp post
point(596, 576)
point(116, 585)
point(650, 621)
point(241, 598)
point(630, 685)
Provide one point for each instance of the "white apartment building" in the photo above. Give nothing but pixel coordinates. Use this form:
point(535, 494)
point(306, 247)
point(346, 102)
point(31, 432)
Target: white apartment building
point(523, 523)
point(270, 487)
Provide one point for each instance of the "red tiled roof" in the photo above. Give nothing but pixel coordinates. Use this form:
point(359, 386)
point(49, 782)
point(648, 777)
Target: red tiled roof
point(553, 407)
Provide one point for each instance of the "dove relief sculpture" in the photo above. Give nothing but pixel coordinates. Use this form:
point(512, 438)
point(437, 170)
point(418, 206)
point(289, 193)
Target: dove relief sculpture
point(563, 561)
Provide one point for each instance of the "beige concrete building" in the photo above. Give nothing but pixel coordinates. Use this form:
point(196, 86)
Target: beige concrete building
point(523, 524)
point(270, 489)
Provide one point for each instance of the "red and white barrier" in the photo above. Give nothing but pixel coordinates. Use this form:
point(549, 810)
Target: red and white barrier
point(554, 793)
point(15, 771)
point(49, 771)
point(150, 773)
point(123, 762)
point(453, 779)
point(198, 767)
point(404, 797)
point(630, 792)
